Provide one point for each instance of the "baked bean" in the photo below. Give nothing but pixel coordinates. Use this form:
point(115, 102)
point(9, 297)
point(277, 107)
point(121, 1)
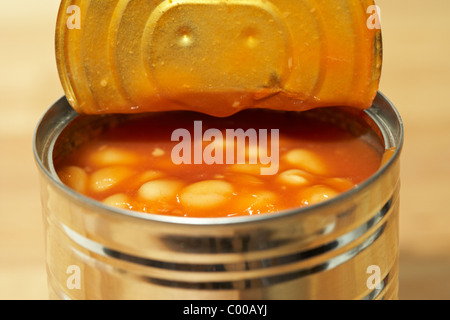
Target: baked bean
point(119, 200)
point(74, 177)
point(340, 184)
point(106, 178)
point(306, 160)
point(317, 194)
point(294, 177)
point(150, 175)
point(158, 152)
point(160, 190)
point(109, 156)
point(206, 194)
point(258, 202)
point(245, 180)
point(252, 169)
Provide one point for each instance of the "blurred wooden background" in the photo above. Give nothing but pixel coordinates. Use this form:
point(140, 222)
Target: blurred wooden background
point(416, 76)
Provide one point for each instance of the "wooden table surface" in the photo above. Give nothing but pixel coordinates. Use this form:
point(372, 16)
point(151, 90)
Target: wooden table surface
point(416, 76)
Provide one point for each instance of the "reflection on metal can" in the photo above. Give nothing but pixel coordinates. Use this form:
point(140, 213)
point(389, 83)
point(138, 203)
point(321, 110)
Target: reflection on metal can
point(344, 248)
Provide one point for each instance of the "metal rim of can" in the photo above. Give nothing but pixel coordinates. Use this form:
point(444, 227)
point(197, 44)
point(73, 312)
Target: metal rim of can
point(396, 142)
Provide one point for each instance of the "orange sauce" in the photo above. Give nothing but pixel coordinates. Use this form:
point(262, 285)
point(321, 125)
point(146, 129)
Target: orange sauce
point(131, 165)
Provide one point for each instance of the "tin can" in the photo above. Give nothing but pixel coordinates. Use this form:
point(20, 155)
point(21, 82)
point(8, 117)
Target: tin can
point(121, 56)
point(344, 248)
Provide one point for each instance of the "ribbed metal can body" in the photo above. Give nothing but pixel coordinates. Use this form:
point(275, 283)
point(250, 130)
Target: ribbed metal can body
point(345, 248)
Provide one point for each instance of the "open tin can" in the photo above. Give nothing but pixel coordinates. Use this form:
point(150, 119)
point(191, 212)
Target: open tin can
point(332, 250)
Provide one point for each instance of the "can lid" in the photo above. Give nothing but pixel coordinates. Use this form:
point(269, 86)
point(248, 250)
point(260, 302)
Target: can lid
point(217, 56)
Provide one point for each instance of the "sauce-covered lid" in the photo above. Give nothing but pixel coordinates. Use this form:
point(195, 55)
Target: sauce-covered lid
point(217, 56)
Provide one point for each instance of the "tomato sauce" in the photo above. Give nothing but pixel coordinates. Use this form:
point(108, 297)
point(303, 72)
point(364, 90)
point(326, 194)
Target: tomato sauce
point(141, 165)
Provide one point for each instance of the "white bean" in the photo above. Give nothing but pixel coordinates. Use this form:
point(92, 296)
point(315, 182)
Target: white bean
point(160, 190)
point(119, 200)
point(253, 169)
point(245, 180)
point(75, 178)
point(206, 194)
point(258, 202)
point(158, 152)
point(340, 184)
point(150, 175)
point(104, 179)
point(294, 177)
point(109, 156)
point(317, 194)
point(306, 160)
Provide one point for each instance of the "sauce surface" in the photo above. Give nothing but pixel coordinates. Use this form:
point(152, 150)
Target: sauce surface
point(135, 165)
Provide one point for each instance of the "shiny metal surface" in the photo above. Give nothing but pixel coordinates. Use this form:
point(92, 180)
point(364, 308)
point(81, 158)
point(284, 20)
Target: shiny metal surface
point(121, 56)
point(321, 252)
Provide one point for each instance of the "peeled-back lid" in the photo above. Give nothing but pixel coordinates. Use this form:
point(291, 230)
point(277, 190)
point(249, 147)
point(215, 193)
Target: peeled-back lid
point(217, 56)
